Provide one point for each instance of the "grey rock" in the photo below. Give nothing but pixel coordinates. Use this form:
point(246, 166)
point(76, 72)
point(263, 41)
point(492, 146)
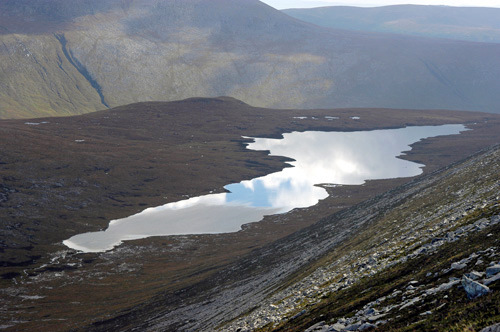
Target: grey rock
point(474, 275)
point(442, 287)
point(493, 279)
point(376, 317)
point(369, 312)
point(492, 328)
point(372, 261)
point(366, 326)
point(353, 327)
point(317, 327)
point(473, 288)
point(492, 270)
point(299, 314)
point(409, 303)
point(337, 327)
point(458, 266)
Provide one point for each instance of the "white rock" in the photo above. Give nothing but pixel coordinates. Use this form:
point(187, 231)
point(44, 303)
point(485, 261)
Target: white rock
point(473, 288)
point(442, 287)
point(458, 266)
point(337, 327)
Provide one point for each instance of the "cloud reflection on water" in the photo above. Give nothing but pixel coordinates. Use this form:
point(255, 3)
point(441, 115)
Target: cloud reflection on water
point(345, 158)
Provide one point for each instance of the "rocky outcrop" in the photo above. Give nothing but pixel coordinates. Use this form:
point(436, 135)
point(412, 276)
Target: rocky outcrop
point(473, 288)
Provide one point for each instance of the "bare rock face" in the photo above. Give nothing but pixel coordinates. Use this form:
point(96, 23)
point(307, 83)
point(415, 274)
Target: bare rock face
point(473, 288)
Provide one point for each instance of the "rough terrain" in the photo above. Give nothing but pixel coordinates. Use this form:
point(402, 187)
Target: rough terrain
point(64, 176)
point(400, 261)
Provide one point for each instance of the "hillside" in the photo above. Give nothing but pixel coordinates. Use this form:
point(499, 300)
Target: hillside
point(57, 59)
point(69, 175)
point(422, 257)
point(461, 23)
point(392, 263)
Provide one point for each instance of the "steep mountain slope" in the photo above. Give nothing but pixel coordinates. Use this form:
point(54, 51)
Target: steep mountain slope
point(68, 60)
point(462, 23)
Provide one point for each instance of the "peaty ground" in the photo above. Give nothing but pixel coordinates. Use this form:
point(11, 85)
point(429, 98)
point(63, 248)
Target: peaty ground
point(65, 176)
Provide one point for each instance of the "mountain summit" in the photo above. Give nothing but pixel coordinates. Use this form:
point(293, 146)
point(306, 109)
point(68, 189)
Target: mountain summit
point(61, 59)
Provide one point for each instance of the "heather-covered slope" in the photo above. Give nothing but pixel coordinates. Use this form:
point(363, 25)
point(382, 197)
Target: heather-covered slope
point(59, 59)
point(461, 23)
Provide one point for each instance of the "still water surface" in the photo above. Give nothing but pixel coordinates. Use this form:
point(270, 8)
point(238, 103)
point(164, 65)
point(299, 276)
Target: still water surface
point(341, 158)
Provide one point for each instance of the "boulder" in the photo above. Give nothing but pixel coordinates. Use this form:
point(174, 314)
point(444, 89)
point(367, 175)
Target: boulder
point(317, 327)
point(353, 327)
point(442, 287)
point(337, 327)
point(376, 317)
point(473, 288)
point(474, 275)
point(366, 326)
point(493, 279)
point(492, 328)
point(492, 270)
point(458, 266)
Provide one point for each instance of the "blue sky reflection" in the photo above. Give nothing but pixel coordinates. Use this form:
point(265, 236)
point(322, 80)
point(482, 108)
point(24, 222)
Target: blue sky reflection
point(341, 158)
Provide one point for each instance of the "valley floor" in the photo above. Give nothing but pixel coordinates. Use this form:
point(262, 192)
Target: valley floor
point(75, 174)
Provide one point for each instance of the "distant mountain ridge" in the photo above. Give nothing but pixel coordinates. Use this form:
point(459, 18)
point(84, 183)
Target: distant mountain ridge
point(477, 24)
point(60, 59)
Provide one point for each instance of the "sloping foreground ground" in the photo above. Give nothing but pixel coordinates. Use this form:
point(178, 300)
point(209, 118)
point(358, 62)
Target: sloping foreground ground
point(65, 176)
point(396, 261)
point(408, 269)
